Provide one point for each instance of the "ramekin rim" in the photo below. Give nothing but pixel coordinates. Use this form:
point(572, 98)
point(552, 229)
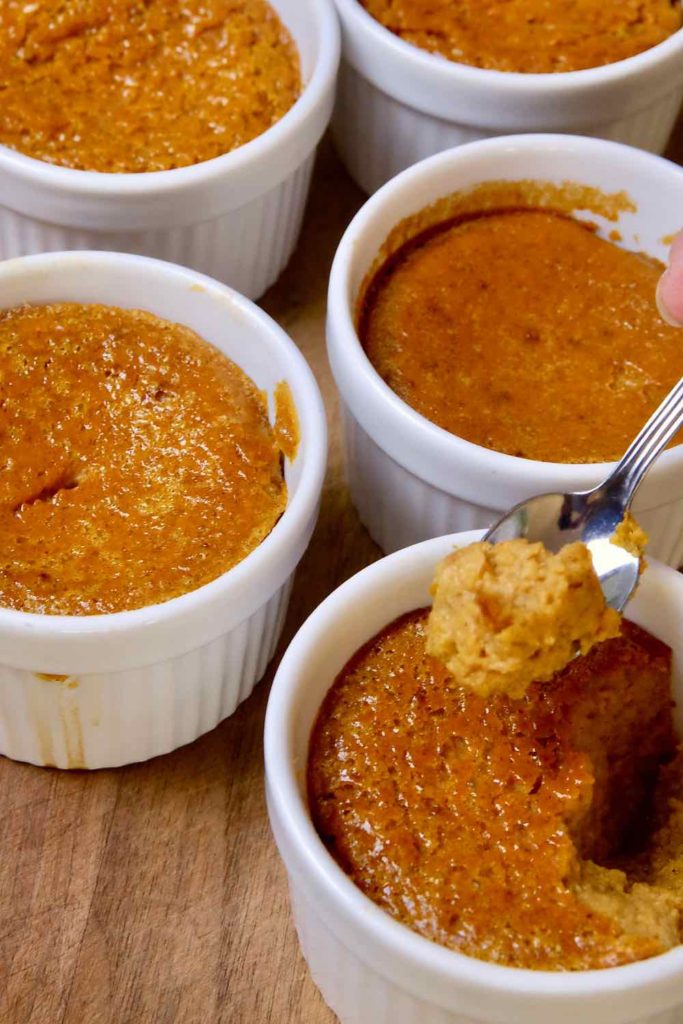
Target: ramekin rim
point(519, 82)
point(356, 361)
point(292, 813)
point(135, 184)
point(313, 452)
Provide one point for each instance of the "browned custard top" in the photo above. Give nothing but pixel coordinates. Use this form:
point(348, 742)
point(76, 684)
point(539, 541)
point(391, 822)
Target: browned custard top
point(524, 332)
point(476, 820)
point(530, 35)
point(141, 85)
point(137, 464)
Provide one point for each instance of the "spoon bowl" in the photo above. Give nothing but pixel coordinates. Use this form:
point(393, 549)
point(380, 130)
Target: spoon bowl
point(593, 516)
point(559, 519)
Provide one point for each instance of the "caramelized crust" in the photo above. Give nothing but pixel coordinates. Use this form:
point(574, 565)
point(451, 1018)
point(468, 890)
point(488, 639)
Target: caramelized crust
point(530, 35)
point(474, 820)
point(141, 85)
point(138, 462)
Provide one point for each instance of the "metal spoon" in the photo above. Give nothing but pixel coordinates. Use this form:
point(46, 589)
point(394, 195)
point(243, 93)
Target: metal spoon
point(593, 516)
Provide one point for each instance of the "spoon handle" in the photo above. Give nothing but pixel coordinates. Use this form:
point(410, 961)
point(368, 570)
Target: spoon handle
point(649, 443)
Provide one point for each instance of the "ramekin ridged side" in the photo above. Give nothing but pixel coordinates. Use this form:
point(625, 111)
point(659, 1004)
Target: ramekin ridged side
point(247, 247)
point(411, 480)
point(236, 218)
point(370, 968)
point(96, 720)
point(397, 104)
point(360, 995)
point(399, 508)
point(104, 690)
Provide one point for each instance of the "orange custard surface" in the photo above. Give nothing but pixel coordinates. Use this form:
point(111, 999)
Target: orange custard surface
point(533, 36)
point(521, 330)
point(507, 829)
point(131, 86)
point(138, 462)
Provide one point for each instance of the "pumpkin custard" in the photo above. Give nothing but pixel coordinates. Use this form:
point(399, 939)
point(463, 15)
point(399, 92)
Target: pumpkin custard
point(129, 86)
point(533, 36)
point(521, 330)
point(532, 821)
point(138, 462)
point(510, 614)
point(508, 829)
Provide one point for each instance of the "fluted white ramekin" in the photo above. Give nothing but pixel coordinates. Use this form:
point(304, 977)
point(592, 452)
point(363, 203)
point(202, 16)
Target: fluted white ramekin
point(103, 690)
point(236, 218)
point(369, 968)
point(398, 104)
point(410, 479)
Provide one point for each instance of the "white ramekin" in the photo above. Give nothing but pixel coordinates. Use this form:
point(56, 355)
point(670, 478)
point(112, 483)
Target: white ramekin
point(369, 968)
point(236, 218)
point(135, 684)
point(398, 104)
point(410, 479)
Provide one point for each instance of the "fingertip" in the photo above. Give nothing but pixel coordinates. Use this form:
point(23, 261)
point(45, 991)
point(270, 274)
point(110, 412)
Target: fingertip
point(669, 298)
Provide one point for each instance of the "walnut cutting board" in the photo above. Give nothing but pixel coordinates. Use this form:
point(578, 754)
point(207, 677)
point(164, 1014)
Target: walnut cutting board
point(154, 894)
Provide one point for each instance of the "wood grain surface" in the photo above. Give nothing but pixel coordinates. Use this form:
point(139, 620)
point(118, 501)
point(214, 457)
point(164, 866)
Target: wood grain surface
point(154, 894)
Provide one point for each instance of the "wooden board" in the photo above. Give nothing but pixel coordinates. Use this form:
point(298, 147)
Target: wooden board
point(154, 894)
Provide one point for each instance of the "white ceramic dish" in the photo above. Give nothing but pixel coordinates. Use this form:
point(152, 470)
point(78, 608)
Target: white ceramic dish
point(410, 479)
point(236, 218)
point(369, 968)
point(398, 104)
point(141, 683)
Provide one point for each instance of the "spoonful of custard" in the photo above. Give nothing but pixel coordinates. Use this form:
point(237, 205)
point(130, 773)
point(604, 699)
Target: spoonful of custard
point(550, 579)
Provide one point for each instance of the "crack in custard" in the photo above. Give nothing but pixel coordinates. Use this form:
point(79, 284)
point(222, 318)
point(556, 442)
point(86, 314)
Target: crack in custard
point(65, 481)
